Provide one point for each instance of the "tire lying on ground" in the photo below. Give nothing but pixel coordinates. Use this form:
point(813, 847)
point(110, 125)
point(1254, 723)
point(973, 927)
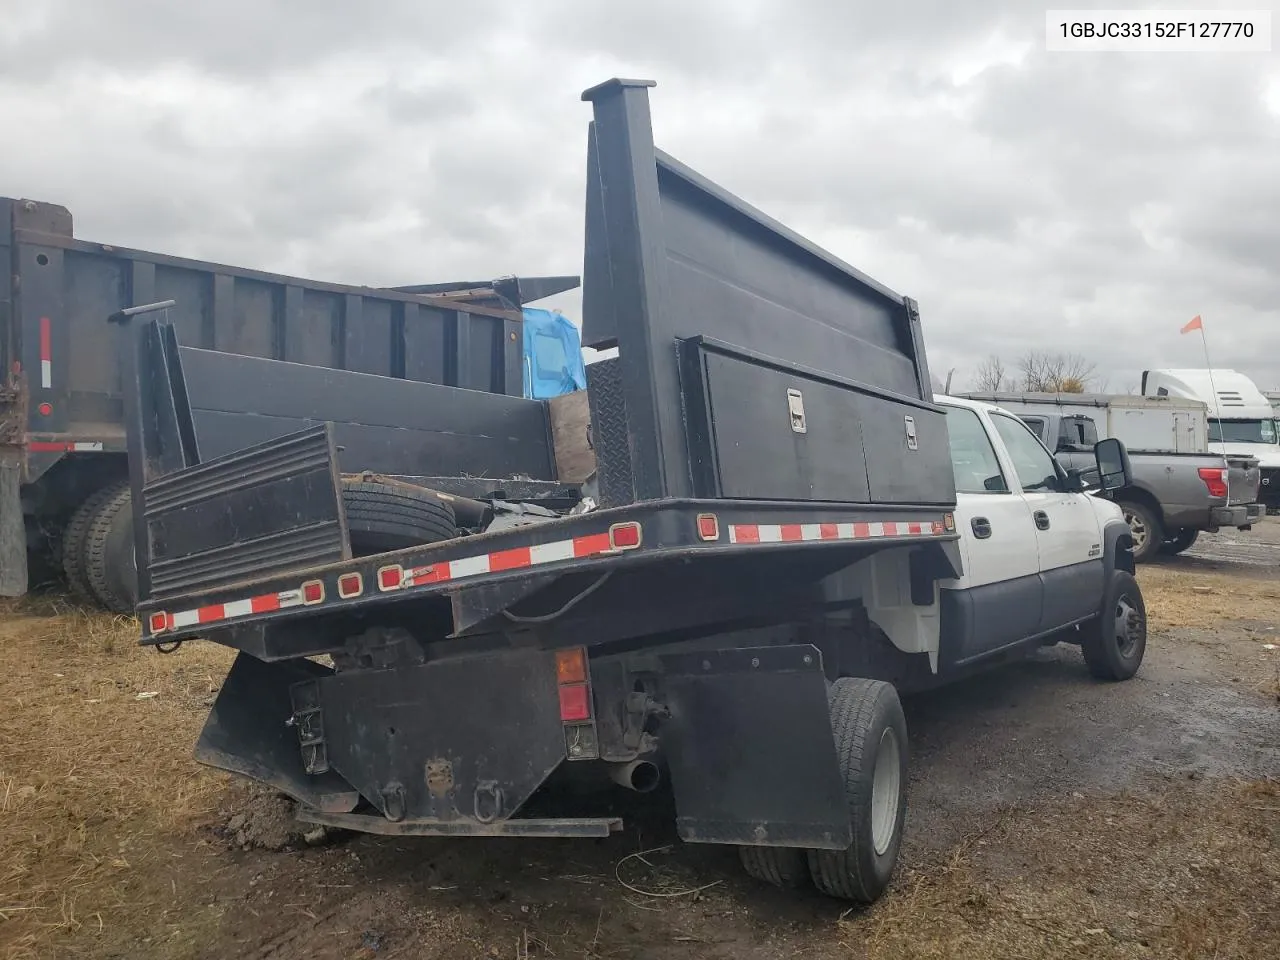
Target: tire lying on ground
point(74, 537)
point(386, 516)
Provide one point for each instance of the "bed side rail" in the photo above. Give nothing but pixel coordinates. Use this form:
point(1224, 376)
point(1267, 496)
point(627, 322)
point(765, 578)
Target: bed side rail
point(204, 524)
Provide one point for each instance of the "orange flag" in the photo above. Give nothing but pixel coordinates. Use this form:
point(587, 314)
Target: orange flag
point(1195, 324)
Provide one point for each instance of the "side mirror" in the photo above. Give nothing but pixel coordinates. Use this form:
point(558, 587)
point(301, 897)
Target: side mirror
point(1114, 470)
point(1081, 481)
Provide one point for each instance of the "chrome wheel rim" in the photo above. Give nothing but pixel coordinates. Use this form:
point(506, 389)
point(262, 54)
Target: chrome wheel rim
point(886, 786)
point(1137, 529)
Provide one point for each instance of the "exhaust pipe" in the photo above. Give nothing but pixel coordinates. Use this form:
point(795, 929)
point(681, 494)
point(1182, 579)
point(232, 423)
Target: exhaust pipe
point(642, 776)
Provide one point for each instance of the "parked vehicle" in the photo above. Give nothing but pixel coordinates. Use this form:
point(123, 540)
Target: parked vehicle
point(63, 482)
point(1178, 487)
point(785, 527)
point(1241, 420)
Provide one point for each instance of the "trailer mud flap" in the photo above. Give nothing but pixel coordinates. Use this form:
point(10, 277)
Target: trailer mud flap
point(750, 749)
point(249, 733)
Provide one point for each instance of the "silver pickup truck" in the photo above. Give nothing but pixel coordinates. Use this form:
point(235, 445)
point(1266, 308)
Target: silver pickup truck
point(1173, 496)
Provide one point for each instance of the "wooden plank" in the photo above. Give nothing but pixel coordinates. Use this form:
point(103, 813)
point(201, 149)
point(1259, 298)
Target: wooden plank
point(570, 420)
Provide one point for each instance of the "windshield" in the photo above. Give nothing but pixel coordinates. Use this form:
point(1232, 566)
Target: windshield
point(1242, 431)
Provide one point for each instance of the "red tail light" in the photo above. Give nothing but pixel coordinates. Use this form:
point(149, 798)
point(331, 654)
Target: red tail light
point(624, 536)
point(159, 622)
point(575, 702)
point(1215, 478)
point(573, 684)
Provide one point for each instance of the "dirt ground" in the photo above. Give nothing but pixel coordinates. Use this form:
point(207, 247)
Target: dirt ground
point(1050, 816)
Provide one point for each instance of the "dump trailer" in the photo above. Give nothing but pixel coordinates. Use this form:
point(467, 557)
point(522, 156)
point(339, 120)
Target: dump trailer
point(725, 606)
point(63, 474)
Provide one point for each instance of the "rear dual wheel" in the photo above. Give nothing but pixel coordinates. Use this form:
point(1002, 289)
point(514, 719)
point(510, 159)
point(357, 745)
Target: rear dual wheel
point(93, 550)
point(871, 745)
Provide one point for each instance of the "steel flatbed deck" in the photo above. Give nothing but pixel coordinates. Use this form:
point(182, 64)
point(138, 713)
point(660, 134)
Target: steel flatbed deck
point(598, 541)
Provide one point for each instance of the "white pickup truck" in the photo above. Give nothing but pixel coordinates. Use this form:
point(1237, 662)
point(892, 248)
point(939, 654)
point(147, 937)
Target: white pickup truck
point(1043, 558)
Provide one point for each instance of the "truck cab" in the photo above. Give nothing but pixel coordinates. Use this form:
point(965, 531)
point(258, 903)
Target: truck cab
point(1037, 548)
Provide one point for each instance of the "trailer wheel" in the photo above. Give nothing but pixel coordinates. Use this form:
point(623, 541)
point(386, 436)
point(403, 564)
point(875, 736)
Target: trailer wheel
point(784, 867)
point(383, 516)
point(871, 742)
point(1183, 541)
point(73, 540)
point(109, 559)
point(1114, 642)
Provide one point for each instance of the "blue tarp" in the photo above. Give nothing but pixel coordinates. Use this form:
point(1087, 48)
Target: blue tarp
point(552, 355)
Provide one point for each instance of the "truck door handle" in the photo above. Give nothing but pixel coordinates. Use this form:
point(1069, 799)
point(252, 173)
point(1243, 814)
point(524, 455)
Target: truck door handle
point(1042, 520)
point(981, 527)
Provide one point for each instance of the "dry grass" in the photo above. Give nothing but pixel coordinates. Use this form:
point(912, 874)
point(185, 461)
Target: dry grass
point(1176, 598)
point(96, 774)
point(1189, 871)
point(100, 853)
point(1196, 606)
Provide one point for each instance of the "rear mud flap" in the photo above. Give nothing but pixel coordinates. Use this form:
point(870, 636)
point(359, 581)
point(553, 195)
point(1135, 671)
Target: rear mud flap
point(751, 753)
point(248, 733)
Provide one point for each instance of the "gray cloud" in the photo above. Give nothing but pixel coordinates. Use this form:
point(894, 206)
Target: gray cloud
point(1083, 202)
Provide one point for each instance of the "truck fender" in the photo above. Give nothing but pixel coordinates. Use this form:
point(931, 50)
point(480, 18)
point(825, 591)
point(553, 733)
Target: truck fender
point(1117, 547)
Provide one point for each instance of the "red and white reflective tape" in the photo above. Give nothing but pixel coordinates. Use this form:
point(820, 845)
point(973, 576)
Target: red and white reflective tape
point(46, 353)
point(806, 532)
point(65, 446)
point(161, 622)
point(396, 577)
point(619, 537)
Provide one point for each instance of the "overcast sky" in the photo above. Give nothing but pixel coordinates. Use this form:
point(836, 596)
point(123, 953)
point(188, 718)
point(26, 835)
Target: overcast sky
point(1084, 202)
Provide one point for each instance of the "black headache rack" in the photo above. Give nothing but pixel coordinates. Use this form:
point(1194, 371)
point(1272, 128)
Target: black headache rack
point(767, 399)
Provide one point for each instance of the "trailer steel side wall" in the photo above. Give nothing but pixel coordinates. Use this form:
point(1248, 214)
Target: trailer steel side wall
point(58, 290)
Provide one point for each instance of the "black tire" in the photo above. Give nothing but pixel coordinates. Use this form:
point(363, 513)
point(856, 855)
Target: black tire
point(108, 555)
point(1109, 653)
point(383, 516)
point(868, 723)
point(1183, 541)
point(74, 536)
point(785, 867)
point(1146, 529)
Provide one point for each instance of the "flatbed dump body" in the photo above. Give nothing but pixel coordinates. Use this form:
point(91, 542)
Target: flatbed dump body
point(767, 552)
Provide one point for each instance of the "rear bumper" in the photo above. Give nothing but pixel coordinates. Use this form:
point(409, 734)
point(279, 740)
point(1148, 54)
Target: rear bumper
point(1236, 516)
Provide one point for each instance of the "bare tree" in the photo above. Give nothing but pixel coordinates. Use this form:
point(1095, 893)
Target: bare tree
point(991, 376)
point(1045, 372)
